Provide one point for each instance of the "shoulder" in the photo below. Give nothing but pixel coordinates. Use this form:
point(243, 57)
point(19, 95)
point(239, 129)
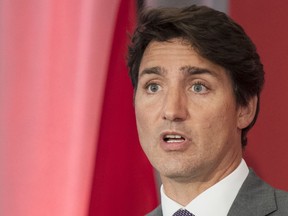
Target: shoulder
point(281, 198)
point(281, 195)
point(156, 212)
point(259, 198)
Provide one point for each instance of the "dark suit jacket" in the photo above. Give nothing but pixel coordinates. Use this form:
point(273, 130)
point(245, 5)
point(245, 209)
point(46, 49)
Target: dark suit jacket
point(255, 198)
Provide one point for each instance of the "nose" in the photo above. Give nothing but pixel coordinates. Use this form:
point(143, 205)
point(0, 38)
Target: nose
point(175, 106)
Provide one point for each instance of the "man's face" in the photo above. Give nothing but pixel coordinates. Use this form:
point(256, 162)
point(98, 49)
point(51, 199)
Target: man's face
point(188, 123)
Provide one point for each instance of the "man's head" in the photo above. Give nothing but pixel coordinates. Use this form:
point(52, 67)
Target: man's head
point(213, 36)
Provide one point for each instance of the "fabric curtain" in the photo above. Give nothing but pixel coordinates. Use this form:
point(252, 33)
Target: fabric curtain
point(123, 181)
point(54, 61)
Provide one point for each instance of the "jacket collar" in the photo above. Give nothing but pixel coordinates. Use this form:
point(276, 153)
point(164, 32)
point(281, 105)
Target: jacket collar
point(255, 198)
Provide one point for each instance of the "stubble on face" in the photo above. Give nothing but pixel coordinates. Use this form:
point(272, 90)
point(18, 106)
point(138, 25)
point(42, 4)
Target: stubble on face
point(167, 101)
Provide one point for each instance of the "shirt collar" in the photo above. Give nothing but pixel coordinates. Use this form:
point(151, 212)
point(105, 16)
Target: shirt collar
point(219, 197)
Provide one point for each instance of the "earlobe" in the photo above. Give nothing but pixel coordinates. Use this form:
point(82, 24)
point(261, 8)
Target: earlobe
point(247, 113)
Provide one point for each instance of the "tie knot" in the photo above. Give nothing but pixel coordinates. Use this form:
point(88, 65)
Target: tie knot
point(183, 212)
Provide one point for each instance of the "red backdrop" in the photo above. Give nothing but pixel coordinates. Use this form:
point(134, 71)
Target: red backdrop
point(266, 23)
point(62, 81)
point(55, 111)
point(123, 179)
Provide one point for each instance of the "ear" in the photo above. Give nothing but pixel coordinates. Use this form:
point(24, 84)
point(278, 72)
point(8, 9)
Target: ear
point(247, 113)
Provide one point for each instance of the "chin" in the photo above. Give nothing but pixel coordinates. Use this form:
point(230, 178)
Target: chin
point(185, 171)
point(175, 172)
point(178, 176)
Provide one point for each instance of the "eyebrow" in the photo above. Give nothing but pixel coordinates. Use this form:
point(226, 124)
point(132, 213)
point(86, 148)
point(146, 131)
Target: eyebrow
point(153, 70)
point(186, 70)
point(191, 70)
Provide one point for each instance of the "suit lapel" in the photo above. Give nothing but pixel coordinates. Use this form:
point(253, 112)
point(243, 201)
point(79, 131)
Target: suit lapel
point(255, 198)
point(156, 212)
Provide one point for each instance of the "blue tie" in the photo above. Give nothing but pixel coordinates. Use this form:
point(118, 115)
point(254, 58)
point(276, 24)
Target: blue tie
point(182, 212)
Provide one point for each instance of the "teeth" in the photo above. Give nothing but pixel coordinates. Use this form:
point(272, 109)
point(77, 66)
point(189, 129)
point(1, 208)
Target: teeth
point(174, 141)
point(173, 137)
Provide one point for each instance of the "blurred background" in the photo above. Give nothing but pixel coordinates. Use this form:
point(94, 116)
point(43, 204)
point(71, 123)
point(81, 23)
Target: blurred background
point(68, 139)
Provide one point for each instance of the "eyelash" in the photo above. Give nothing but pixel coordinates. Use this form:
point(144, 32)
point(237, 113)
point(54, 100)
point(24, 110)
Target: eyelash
point(200, 83)
point(146, 87)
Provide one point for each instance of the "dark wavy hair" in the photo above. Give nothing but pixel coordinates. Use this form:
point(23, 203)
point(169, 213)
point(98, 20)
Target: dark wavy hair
point(214, 36)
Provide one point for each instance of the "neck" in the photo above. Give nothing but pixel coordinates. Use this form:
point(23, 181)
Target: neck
point(184, 191)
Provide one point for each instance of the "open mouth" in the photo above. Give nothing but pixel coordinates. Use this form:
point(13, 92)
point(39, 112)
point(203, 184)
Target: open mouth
point(173, 138)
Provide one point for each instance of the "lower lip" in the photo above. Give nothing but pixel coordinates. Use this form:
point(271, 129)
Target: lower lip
point(174, 146)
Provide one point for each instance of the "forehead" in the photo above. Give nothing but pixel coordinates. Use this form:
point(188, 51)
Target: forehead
point(174, 55)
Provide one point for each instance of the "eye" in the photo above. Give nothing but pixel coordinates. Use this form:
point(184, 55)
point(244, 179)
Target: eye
point(199, 88)
point(153, 87)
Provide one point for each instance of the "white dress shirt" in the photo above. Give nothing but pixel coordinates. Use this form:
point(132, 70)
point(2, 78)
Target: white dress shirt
point(216, 200)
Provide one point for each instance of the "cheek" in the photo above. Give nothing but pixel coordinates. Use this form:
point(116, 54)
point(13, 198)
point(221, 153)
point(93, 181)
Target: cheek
point(143, 123)
point(148, 110)
point(145, 135)
point(217, 122)
point(140, 122)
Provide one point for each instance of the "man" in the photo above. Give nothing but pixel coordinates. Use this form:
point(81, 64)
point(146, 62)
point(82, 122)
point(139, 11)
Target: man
point(197, 80)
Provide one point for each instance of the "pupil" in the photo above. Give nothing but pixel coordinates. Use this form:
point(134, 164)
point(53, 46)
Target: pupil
point(197, 88)
point(154, 88)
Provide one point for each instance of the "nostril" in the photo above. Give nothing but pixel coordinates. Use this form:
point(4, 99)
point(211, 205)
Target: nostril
point(174, 118)
point(175, 113)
